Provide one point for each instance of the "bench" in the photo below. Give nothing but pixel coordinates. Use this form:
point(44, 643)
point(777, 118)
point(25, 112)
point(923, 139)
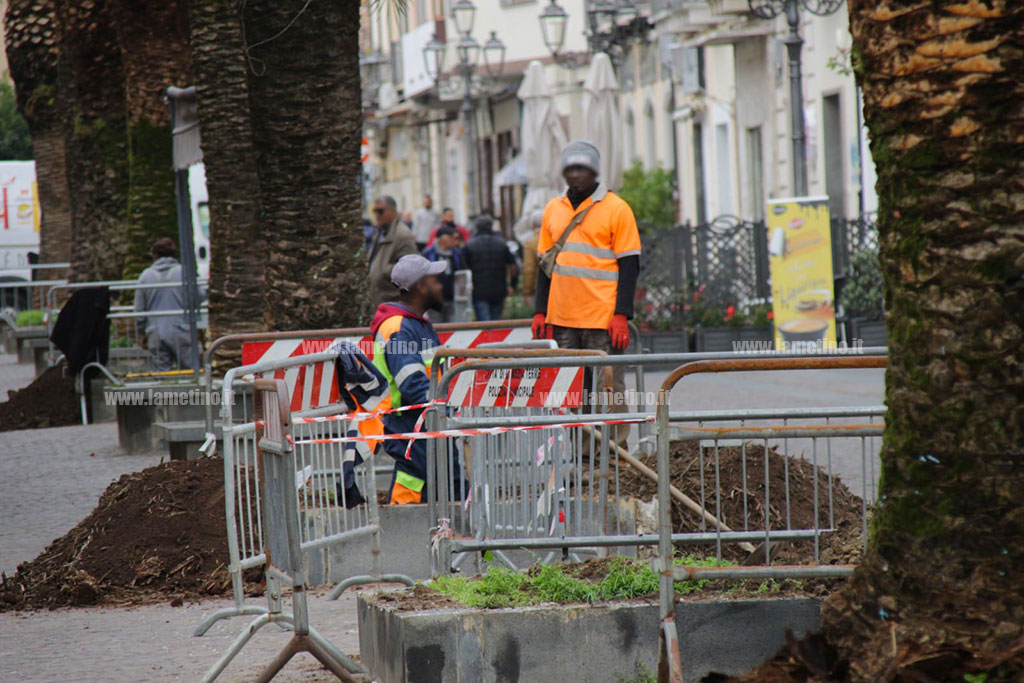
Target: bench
point(40, 350)
point(22, 337)
point(185, 438)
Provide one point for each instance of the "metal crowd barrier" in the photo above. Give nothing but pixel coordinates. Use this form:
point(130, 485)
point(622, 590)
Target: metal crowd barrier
point(352, 334)
point(823, 438)
point(289, 484)
point(128, 358)
point(534, 484)
point(22, 295)
point(328, 517)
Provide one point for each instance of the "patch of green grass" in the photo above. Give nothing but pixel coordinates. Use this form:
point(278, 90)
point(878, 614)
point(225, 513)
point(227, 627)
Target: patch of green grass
point(641, 674)
point(626, 579)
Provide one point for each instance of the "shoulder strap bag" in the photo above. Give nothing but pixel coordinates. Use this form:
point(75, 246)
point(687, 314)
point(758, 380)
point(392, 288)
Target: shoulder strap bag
point(547, 259)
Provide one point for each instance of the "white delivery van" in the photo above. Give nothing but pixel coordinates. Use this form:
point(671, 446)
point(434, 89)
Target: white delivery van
point(200, 218)
point(19, 218)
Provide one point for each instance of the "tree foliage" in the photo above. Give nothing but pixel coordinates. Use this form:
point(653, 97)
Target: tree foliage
point(649, 194)
point(15, 141)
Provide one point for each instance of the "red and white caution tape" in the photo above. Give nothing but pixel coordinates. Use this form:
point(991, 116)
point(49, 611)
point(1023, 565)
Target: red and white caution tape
point(363, 415)
point(482, 431)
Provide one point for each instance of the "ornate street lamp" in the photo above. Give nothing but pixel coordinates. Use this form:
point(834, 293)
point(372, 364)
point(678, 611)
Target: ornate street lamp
point(494, 55)
point(468, 51)
point(769, 9)
point(612, 27)
point(433, 57)
point(464, 13)
point(552, 24)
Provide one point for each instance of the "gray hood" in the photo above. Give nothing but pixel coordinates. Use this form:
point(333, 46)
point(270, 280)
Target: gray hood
point(164, 263)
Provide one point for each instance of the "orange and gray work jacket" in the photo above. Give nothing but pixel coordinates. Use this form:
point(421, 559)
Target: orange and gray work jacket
point(404, 344)
point(596, 272)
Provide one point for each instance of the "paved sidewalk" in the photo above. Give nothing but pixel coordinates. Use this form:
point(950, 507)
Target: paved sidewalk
point(14, 375)
point(155, 643)
point(50, 479)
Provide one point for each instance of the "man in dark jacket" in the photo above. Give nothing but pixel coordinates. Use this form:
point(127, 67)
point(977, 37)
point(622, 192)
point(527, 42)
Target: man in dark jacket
point(404, 343)
point(494, 270)
point(444, 249)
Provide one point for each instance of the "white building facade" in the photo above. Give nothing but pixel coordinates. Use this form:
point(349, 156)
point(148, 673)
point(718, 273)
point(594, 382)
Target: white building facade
point(704, 95)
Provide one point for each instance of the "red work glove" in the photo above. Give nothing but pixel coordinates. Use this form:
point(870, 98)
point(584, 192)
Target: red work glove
point(539, 326)
point(618, 330)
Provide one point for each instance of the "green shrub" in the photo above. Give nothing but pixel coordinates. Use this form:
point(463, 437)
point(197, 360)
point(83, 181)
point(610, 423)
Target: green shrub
point(862, 292)
point(650, 195)
point(29, 318)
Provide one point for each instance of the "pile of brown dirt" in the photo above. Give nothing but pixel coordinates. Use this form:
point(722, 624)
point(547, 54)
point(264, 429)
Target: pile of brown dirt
point(50, 401)
point(155, 534)
point(842, 546)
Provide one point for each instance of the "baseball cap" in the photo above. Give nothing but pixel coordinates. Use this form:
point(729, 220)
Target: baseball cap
point(412, 267)
point(446, 230)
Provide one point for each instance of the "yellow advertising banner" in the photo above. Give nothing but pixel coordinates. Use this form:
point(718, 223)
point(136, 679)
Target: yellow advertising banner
point(800, 251)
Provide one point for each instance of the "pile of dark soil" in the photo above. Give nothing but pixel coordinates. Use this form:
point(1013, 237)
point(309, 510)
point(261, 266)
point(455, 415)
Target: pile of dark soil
point(155, 534)
point(842, 546)
point(50, 401)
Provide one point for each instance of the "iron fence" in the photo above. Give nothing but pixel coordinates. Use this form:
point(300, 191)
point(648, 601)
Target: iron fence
point(725, 262)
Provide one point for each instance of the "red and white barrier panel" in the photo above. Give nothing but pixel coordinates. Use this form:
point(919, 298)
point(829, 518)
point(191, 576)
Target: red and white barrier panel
point(316, 386)
point(518, 388)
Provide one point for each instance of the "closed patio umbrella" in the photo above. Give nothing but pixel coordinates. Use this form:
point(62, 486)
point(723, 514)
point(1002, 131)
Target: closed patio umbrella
point(542, 137)
point(602, 124)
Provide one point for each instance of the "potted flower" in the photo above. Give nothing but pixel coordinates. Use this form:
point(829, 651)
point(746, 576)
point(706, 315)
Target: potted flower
point(722, 328)
point(659, 321)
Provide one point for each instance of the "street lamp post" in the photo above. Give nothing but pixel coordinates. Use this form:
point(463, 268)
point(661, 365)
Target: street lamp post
point(769, 9)
point(612, 26)
point(468, 53)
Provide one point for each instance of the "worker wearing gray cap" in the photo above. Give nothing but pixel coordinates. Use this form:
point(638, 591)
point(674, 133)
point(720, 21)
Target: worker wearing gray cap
point(404, 343)
point(589, 250)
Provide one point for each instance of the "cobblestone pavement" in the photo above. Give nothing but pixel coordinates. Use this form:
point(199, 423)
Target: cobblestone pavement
point(14, 375)
point(155, 643)
point(50, 479)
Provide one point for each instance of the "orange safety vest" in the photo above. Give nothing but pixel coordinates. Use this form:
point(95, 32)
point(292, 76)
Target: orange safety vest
point(586, 276)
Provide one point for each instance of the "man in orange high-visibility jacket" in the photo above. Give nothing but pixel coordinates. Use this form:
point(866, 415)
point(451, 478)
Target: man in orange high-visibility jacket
point(588, 298)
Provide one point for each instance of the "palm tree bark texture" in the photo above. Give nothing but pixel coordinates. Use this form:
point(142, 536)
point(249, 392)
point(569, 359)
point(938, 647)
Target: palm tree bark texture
point(33, 54)
point(152, 36)
point(97, 153)
point(237, 244)
point(940, 593)
point(304, 96)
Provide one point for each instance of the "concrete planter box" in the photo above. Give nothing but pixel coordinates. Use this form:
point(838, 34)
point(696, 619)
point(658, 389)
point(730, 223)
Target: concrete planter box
point(872, 332)
point(572, 642)
point(405, 542)
point(723, 338)
point(665, 342)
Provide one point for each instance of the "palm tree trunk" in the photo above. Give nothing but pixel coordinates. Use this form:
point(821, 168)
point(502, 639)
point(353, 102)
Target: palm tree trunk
point(237, 243)
point(152, 36)
point(97, 157)
point(941, 591)
point(33, 50)
point(305, 101)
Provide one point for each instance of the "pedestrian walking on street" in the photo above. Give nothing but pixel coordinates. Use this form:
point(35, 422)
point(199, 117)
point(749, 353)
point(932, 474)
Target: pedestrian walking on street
point(444, 249)
point(404, 343)
point(589, 250)
point(530, 256)
point(392, 241)
point(166, 336)
point(424, 220)
point(448, 218)
point(494, 270)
